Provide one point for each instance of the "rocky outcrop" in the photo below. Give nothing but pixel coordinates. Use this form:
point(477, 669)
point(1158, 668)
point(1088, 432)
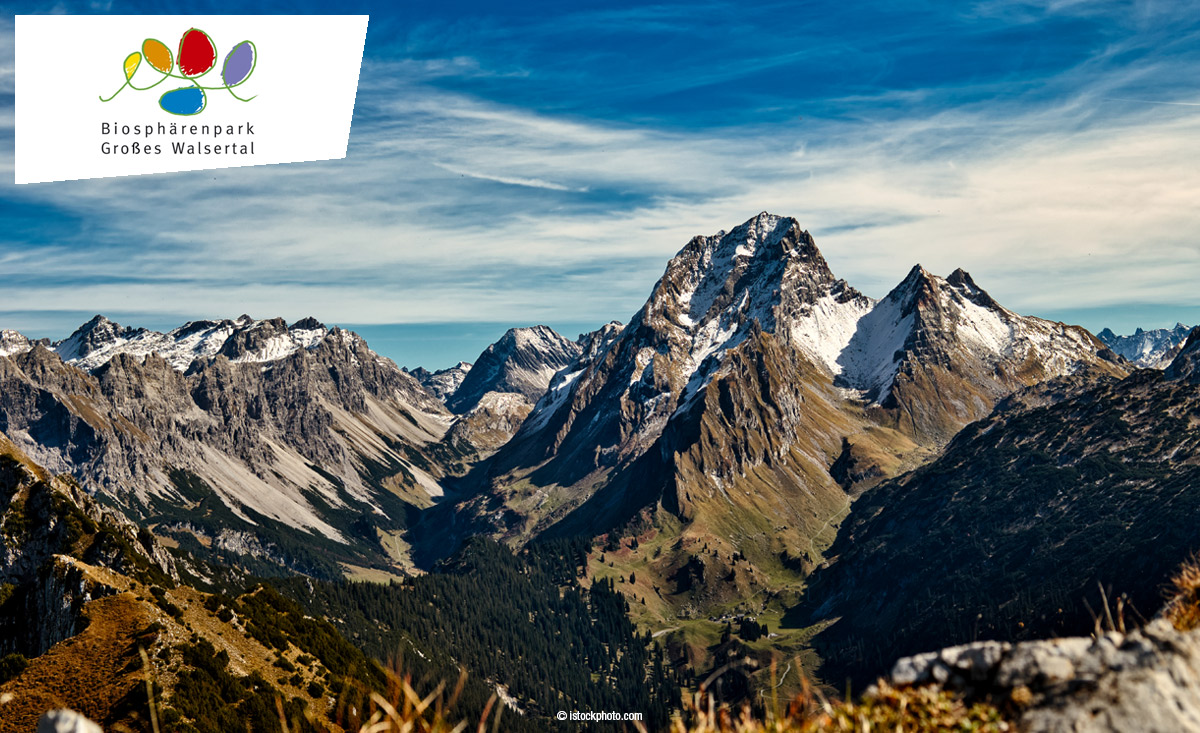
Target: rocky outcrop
point(1147, 680)
point(46, 525)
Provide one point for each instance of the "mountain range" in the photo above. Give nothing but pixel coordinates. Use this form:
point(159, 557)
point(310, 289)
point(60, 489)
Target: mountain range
point(759, 440)
point(749, 400)
point(1152, 349)
point(753, 384)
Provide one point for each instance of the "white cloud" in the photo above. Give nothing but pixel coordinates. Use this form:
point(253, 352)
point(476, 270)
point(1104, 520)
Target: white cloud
point(510, 180)
point(1083, 202)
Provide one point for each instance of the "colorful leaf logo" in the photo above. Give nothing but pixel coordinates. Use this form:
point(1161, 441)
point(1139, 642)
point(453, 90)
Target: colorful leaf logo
point(195, 57)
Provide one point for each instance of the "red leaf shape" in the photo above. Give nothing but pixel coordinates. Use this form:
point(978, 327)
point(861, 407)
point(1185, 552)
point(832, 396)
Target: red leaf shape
point(197, 54)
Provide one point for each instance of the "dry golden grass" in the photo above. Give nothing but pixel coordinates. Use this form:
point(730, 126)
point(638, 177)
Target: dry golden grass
point(886, 708)
point(404, 710)
point(90, 672)
point(1183, 607)
point(899, 710)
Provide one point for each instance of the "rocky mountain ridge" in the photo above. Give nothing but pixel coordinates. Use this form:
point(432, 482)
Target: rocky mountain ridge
point(1067, 487)
point(322, 435)
point(245, 339)
point(522, 362)
point(1153, 349)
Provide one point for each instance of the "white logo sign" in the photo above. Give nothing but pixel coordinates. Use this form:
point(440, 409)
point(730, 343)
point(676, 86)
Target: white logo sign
point(102, 96)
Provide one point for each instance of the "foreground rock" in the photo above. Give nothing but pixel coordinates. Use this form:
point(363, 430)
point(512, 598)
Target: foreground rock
point(1148, 680)
point(65, 721)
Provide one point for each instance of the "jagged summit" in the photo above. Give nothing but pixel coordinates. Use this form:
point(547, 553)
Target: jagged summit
point(767, 271)
point(97, 334)
point(595, 342)
point(99, 340)
point(748, 342)
point(1152, 349)
point(522, 361)
point(962, 281)
point(14, 342)
point(443, 382)
point(953, 325)
point(765, 236)
point(271, 339)
point(308, 323)
point(736, 276)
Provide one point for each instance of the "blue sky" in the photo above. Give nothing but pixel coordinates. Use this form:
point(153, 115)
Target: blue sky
point(516, 163)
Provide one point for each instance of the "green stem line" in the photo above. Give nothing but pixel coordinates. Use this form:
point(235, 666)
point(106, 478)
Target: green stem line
point(168, 75)
point(230, 90)
point(114, 94)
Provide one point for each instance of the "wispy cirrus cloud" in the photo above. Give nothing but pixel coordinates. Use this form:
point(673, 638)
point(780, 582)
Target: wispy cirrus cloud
point(496, 173)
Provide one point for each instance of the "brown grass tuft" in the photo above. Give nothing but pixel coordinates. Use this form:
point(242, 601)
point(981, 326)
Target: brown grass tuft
point(405, 711)
point(1183, 608)
point(886, 708)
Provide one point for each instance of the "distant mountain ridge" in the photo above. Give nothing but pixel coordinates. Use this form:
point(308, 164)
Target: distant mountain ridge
point(98, 341)
point(443, 382)
point(1148, 349)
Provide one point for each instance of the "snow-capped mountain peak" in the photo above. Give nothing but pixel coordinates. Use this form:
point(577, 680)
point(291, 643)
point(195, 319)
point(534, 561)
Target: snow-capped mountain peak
point(96, 342)
point(98, 335)
point(955, 323)
point(443, 382)
point(522, 361)
point(739, 274)
point(13, 342)
point(768, 275)
point(1154, 348)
